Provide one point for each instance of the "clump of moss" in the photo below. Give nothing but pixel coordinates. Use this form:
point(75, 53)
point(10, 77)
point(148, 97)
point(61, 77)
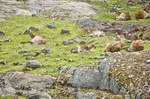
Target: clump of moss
point(132, 71)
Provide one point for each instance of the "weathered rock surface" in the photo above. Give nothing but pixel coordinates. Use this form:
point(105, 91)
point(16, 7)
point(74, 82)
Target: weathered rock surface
point(13, 81)
point(63, 31)
point(120, 28)
point(19, 79)
point(32, 28)
point(46, 51)
point(119, 73)
point(87, 78)
point(66, 42)
point(33, 94)
point(33, 64)
point(131, 70)
point(5, 87)
point(85, 96)
point(84, 77)
point(54, 9)
point(51, 25)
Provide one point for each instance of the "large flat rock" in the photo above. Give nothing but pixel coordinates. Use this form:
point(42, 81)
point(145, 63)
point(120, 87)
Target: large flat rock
point(13, 81)
point(53, 9)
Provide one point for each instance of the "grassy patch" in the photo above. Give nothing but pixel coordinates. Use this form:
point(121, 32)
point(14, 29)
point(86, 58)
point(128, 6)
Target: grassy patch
point(14, 51)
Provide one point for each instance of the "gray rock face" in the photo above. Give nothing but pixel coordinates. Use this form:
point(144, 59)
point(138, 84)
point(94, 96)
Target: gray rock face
point(54, 9)
point(114, 74)
point(33, 28)
point(45, 50)
point(8, 7)
point(120, 28)
point(19, 80)
point(87, 78)
point(51, 25)
point(85, 96)
point(33, 64)
point(63, 31)
point(30, 29)
point(33, 94)
point(5, 87)
point(66, 42)
point(12, 81)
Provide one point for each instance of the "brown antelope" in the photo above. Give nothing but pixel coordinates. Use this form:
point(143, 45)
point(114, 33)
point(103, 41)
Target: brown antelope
point(115, 46)
point(143, 13)
point(37, 39)
point(122, 15)
point(137, 45)
point(82, 49)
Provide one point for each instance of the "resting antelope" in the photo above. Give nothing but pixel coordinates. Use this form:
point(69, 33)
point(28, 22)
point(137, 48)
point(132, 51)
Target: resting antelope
point(143, 13)
point(137, 45)
point(114, 46)
point(122, 15)
point(82, 49)
point(36, 39)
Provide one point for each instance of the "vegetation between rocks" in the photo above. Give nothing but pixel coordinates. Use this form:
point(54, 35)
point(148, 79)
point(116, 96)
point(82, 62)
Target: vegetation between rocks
point(18, 50)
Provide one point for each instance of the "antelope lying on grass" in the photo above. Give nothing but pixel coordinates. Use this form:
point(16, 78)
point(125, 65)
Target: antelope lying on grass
point(36, 39)
point(122, 15)
point(143, 13)
point(82, 49)
point(137, 45)
point(115, 46)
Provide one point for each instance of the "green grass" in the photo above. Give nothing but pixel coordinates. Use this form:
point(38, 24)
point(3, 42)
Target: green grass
point(18, 24)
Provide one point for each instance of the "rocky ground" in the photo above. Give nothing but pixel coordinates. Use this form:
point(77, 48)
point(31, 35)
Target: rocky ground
point(119, 75)
point(59, 9)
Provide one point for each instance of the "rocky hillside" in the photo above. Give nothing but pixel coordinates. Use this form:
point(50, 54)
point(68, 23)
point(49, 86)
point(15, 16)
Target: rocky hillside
point(56, 49)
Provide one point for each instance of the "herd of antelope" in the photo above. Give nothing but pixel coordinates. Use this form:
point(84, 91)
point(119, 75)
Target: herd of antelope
point(115, 46)
point(137, 42)
point(141, 14)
